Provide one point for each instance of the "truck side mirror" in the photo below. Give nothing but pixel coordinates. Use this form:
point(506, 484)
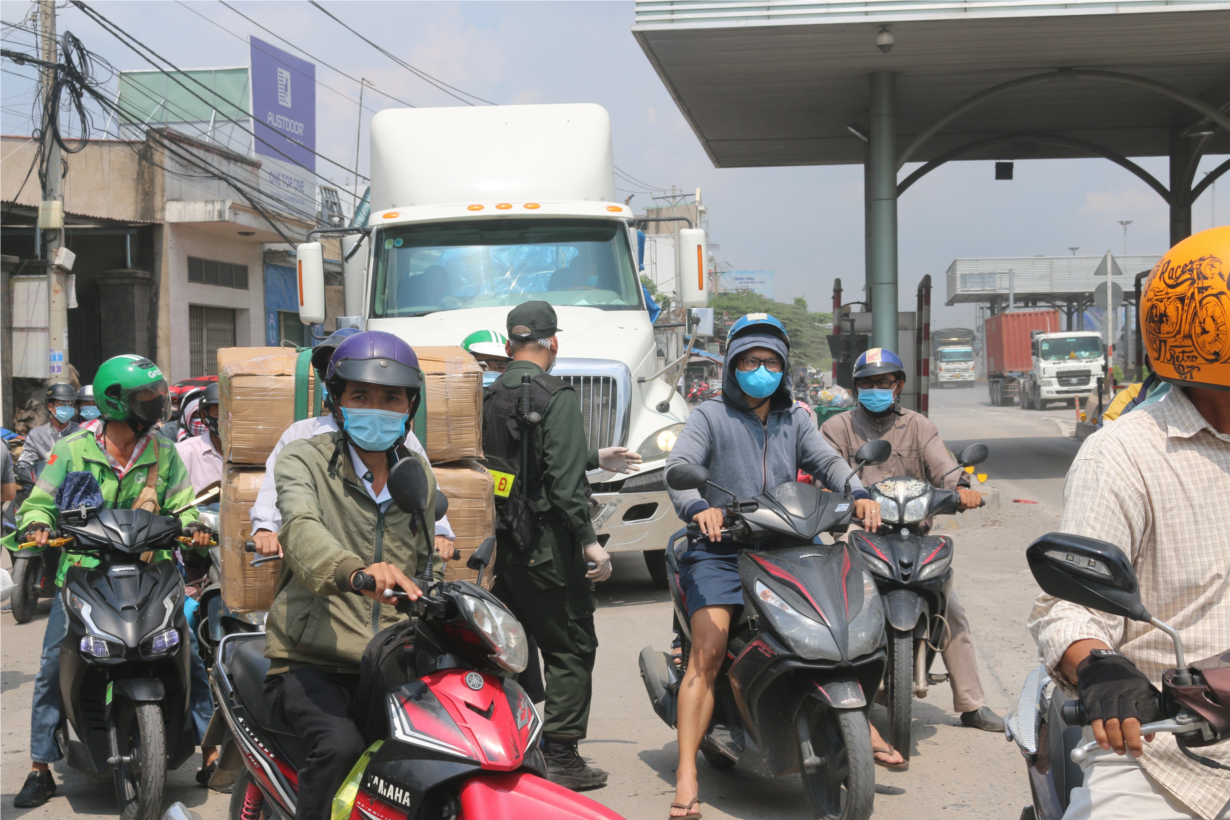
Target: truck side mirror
point(310, 263)
point(693, 267)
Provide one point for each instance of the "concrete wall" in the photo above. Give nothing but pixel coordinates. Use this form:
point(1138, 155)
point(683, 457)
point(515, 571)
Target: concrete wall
point(249, 305)
point(102, 179)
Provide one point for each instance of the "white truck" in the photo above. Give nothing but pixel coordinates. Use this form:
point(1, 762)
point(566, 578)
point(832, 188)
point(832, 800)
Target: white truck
point(952, 357)
point(1066, 368)
point(475, 210)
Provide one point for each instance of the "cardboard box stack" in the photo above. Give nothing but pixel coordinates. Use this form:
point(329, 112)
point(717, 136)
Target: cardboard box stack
point(257, 392)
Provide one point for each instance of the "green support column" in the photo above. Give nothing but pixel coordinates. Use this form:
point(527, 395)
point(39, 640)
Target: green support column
point(882, 195)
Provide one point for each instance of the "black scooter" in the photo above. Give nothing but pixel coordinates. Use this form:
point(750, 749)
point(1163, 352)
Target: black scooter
point(806, 650)
point(914, 573)
point(124, 664)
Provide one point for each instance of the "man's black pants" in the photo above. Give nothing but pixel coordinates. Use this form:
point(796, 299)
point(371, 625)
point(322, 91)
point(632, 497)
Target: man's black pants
point(317, 705)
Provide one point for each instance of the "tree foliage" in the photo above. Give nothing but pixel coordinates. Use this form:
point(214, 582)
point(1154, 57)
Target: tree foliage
point(808, 331)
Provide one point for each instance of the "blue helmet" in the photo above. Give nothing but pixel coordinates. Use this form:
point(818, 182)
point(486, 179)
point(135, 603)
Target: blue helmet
point(878, 361)
point(324, 351)
point(758, 323)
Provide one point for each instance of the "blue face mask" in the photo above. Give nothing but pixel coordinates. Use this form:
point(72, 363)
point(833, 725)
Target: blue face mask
point(760, 383)
point(374, 430)
point(90, 413)
point(489, 377)
point(877, 401)
point(65, 414)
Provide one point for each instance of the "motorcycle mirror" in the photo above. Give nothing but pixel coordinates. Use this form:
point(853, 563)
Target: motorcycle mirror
point(408, 486)
point(687, 477)
point(441, 505)
point(482, 556)
point(1087, 572)
point(973, 454)
point(874, 452)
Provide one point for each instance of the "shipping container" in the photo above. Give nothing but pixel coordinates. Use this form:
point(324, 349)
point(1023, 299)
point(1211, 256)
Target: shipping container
point(1007, 349)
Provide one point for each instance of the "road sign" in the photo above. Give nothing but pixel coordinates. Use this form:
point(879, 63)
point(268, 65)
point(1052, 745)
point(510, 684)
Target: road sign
point(1099, 295)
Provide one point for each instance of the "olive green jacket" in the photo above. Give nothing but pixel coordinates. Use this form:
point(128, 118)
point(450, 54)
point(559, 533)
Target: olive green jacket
point(331, 527)
point(80, 453)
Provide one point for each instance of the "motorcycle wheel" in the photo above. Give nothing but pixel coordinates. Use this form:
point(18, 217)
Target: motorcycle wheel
point(140, 781)
point(900, 690)
point(843, 788)
point(24, 596)
point(238, 793)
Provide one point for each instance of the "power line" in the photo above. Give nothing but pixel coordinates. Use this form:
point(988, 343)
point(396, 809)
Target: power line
point(423, 75)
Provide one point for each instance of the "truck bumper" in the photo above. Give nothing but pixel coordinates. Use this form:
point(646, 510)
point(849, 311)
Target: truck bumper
point(1057, 393)
point(634, 522)
point(945, 378)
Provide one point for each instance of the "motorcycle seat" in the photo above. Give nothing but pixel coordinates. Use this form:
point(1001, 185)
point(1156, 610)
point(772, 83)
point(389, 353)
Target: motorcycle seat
point(248, 669)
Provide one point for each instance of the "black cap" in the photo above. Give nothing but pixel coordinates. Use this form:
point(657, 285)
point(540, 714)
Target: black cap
point(531, 320)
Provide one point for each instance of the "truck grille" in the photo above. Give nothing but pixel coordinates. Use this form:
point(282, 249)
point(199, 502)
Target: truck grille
point(599, 397)
point(1073, 378)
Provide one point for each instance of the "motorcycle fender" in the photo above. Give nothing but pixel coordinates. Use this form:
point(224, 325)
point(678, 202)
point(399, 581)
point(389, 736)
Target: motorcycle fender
point(140, 690)
point(841, 694)
point(29, 553)
point(523, 796)
point(903, 608)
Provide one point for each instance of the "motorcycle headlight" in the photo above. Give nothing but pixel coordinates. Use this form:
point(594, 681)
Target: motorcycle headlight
point(660, 444)
point(890, 513)
point(867, 627)
point(810, 638)
point(877, 566)
point(916, 509)
point(936, 566)
point(503, 633)
point(85, 612)
point(159, 642)
point(99, 648)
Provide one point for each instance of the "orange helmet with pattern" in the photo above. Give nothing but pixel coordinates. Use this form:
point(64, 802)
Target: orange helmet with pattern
point(1185, 312)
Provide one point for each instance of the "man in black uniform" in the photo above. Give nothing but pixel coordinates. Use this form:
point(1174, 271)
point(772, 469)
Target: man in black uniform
point(545, 538)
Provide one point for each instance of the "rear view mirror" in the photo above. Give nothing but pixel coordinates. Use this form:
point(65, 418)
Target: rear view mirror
point(973, 454)
point(408, 486)
point(874, 452)
point(309, 259)
point(684, 476)
point(441, 505)
point(482, 556)
point(1087, 572)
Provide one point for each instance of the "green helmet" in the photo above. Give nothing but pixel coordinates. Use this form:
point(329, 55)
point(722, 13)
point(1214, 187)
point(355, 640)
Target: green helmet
point(131, 388)
point(486, 343)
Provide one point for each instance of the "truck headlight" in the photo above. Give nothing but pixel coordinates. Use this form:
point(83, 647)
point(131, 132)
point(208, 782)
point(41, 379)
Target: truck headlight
point(660, 444)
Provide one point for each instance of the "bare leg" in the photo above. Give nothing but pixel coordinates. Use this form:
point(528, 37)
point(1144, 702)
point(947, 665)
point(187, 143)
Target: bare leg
point(710, 629)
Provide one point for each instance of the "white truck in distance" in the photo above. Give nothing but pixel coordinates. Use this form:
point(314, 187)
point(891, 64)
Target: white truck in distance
point(475, 210)
point(953, 357)
point(1066, 368)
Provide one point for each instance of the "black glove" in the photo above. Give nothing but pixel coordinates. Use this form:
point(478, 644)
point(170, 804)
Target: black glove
point(193, 527)
point(1111, 686)
point(33, 528)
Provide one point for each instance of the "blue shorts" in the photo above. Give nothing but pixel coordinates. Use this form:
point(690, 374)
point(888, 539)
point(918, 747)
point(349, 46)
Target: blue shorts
point(710, 577)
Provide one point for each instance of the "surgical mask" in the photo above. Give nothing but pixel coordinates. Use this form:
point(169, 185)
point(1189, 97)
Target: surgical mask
point(489, 377)
point(90, 413)
point(760, 383)
point(65, 413)
point(875, 400)
point(374, 430)
point(593, 281)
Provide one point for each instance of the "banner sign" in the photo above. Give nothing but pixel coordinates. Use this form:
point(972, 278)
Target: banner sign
point(284, 120)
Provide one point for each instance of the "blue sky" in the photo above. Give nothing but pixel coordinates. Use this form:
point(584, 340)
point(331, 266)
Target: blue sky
point(803, 223)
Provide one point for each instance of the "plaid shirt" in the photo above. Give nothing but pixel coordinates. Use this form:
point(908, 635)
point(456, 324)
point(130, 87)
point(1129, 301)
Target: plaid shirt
point(1156, 483)
point(120, 470)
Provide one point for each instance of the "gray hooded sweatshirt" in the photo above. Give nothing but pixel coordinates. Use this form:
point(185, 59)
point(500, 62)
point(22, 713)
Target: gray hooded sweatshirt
point(745, 456)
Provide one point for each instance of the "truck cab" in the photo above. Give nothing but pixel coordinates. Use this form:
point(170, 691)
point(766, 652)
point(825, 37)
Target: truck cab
point(954, 364)
point(476, 210)
point(1066, 366)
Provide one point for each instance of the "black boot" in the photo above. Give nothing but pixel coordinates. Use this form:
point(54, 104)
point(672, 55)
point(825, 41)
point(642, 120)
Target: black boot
point(566, 767)
point(39, 788)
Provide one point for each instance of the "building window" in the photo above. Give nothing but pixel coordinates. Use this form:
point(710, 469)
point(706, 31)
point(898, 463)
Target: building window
point(210, 272)
point(209, 328)
point(291, 329)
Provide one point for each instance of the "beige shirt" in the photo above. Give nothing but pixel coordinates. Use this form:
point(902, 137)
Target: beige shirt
point(918, 450)
point(1156, 483)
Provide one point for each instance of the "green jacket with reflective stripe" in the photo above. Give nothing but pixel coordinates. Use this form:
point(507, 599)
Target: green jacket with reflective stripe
point(80, 452)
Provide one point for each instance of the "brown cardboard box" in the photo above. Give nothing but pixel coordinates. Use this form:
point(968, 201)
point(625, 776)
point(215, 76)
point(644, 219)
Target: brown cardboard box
point(471, 512)
point(244, 588)
point(257, 392)
point(454, 402)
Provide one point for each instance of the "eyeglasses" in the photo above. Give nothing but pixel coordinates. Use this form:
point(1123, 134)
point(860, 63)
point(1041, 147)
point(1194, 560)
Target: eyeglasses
point(887, 383)
point(749, 363)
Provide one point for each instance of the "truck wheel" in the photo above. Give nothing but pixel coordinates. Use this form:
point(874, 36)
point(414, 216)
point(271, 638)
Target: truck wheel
point(655, 562)
point(24, 597)
point(140, 780)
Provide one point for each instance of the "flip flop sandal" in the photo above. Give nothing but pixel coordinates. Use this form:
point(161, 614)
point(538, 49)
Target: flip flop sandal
point(888, 750)
point(691, 815)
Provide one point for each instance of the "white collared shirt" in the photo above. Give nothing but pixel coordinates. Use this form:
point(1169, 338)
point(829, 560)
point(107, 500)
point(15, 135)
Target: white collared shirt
point(382, 498)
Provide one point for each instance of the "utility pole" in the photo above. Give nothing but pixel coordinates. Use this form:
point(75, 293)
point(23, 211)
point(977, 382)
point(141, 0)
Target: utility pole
point(358, 132)
point(51, 211)
point(1074, 249)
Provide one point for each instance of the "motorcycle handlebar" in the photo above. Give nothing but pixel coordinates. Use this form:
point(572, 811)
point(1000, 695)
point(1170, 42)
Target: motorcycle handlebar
point(362, 582)
point(1073, 713)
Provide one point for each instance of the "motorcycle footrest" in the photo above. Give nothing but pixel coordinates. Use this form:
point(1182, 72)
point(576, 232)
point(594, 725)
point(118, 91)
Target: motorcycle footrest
point(933, 678)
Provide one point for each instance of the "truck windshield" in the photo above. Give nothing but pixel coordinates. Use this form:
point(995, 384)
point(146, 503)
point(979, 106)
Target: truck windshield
point(432, 267)
point(1072, 347)
point(956, 354)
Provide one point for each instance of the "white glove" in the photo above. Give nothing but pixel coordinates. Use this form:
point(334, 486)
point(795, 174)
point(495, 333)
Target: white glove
point(595, 554)
point(619, 460)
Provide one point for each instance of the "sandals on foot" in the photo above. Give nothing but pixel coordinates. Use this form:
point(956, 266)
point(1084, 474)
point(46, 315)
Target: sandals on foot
point(691, 815)
point(887, 750)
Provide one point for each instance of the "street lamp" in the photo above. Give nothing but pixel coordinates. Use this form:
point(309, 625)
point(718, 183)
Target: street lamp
point(1074, 249)
point(1125, 223)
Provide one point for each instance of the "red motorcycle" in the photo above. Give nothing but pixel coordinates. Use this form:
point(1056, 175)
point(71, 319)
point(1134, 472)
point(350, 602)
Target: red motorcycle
point(463, 739)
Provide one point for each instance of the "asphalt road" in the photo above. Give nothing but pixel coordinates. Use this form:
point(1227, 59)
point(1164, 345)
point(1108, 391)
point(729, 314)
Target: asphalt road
point(955, 772)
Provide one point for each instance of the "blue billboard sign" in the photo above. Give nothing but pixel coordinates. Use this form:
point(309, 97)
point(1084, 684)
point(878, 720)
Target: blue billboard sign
point(284, 120)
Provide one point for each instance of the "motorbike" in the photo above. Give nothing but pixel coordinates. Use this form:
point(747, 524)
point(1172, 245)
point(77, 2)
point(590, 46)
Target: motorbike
point(913, 571)
point(124, 663)
point(1046, 724)
point(805, 648)
point(463, 738)
point(34, 571)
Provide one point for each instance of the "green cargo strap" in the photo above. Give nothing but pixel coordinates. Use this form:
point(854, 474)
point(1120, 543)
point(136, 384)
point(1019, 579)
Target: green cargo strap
point(420, 418)
point(303, 372)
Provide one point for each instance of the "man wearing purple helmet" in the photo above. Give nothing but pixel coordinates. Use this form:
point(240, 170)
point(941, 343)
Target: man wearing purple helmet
point(338, 519)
